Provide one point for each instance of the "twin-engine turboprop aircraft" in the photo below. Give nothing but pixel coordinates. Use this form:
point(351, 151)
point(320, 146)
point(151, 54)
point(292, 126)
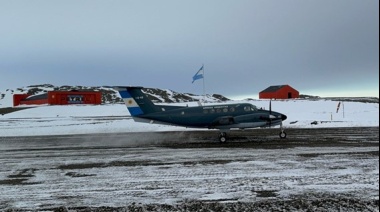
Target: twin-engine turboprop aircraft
point(223, 117)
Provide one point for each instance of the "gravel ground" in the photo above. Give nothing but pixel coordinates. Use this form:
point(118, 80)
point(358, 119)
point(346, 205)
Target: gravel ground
point(330, 169)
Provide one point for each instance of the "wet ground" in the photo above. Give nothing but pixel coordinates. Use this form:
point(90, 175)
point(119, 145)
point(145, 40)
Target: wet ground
point(329, 169)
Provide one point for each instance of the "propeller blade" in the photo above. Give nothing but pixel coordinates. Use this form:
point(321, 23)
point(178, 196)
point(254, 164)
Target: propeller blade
point(270, 106)
point(270, 112)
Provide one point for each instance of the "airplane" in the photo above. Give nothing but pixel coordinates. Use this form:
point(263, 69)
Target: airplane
point(223, 117)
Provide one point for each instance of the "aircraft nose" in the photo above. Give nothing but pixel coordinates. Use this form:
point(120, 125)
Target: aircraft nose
point(283, 117)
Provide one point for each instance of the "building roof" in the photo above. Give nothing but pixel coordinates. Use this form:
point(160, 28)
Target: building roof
point(273, 88)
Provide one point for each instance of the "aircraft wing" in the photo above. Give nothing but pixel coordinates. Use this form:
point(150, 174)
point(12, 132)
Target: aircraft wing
point(245, 121)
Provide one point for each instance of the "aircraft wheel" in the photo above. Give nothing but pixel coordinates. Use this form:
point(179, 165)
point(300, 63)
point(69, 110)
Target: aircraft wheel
point(223, 137)
point(282, 134)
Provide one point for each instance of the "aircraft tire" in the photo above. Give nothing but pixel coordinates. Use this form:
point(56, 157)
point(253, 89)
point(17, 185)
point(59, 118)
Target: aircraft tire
point(223, 138)
point(282, 134)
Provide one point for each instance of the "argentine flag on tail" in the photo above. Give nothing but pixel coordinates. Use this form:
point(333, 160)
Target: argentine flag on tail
point(198, 75)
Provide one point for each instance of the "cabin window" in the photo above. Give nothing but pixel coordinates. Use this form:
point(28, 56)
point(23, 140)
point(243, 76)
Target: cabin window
point(218, 110)
point(183, 113)
point(205, 111)
point(225, 110)
point(232, 109)
point(247, 108)
point(212, 111)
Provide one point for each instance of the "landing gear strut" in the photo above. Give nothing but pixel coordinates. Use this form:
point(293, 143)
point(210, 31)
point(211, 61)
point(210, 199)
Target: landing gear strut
point(223, 137)
point(282, 133)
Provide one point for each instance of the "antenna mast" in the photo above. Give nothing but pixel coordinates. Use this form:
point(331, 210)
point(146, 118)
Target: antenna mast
point(204, 92)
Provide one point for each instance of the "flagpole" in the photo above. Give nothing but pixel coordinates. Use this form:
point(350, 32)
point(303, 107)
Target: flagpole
point(204, 93)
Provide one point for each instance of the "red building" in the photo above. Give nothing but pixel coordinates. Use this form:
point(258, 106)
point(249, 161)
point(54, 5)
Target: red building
point(279, 92)
point(59, 98)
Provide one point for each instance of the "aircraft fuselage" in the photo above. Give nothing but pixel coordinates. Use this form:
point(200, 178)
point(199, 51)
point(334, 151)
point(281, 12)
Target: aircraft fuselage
point(214, 116)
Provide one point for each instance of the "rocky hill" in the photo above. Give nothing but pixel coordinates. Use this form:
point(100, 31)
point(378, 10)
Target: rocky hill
point(110, 95)
point(342, 99)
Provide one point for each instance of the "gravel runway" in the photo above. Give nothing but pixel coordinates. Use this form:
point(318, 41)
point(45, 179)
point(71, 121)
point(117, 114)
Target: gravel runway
point(327, 169)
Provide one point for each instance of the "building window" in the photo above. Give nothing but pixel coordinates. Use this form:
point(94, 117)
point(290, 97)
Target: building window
point(74, 99)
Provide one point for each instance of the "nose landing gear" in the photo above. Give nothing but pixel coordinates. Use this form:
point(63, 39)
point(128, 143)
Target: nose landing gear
point(282, 133)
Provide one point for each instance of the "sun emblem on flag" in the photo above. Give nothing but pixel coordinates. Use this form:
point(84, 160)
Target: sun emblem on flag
point(130, 102)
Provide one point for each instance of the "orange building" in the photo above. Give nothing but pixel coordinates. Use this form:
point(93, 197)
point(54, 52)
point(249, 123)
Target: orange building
point(279, 92)
point(59, 98)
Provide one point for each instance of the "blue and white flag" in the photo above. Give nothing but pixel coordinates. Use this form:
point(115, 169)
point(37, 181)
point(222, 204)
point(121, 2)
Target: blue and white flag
point(198, 75)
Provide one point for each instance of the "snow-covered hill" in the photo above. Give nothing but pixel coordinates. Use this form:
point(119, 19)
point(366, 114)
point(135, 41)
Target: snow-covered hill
point(109, 95)
point(112, 116)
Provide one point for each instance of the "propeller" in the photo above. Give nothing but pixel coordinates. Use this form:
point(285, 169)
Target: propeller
point(270, 117)
point(270, 106)
point(270, 112)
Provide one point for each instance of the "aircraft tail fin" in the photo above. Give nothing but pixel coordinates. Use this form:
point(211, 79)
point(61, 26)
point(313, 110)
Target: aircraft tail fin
point(136, 101)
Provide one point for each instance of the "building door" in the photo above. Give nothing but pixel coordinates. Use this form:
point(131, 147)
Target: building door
point(289, 95)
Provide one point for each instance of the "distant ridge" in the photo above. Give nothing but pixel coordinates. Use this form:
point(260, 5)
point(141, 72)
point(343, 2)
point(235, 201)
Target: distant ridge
point(111, 96)
point(343, 99)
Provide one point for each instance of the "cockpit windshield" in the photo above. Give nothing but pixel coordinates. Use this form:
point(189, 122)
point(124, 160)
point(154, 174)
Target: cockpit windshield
point(250, 108)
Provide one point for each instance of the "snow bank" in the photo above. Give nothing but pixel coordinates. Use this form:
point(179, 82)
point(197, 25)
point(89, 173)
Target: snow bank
point(113, 118)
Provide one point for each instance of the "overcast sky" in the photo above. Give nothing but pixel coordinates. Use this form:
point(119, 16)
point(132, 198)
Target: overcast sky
point(319, 47)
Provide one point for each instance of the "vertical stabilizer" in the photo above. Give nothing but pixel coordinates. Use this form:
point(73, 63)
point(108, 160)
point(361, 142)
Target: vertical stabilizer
point(136, 101)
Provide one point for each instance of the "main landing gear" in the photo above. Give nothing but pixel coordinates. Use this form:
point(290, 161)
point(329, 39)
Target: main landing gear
point(223, 135)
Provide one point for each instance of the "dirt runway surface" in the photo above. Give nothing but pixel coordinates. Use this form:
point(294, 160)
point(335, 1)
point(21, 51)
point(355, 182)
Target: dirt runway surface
point(328, 169)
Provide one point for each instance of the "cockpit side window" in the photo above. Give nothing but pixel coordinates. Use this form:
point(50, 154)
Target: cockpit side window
point(250, 108)
point(253, 108)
